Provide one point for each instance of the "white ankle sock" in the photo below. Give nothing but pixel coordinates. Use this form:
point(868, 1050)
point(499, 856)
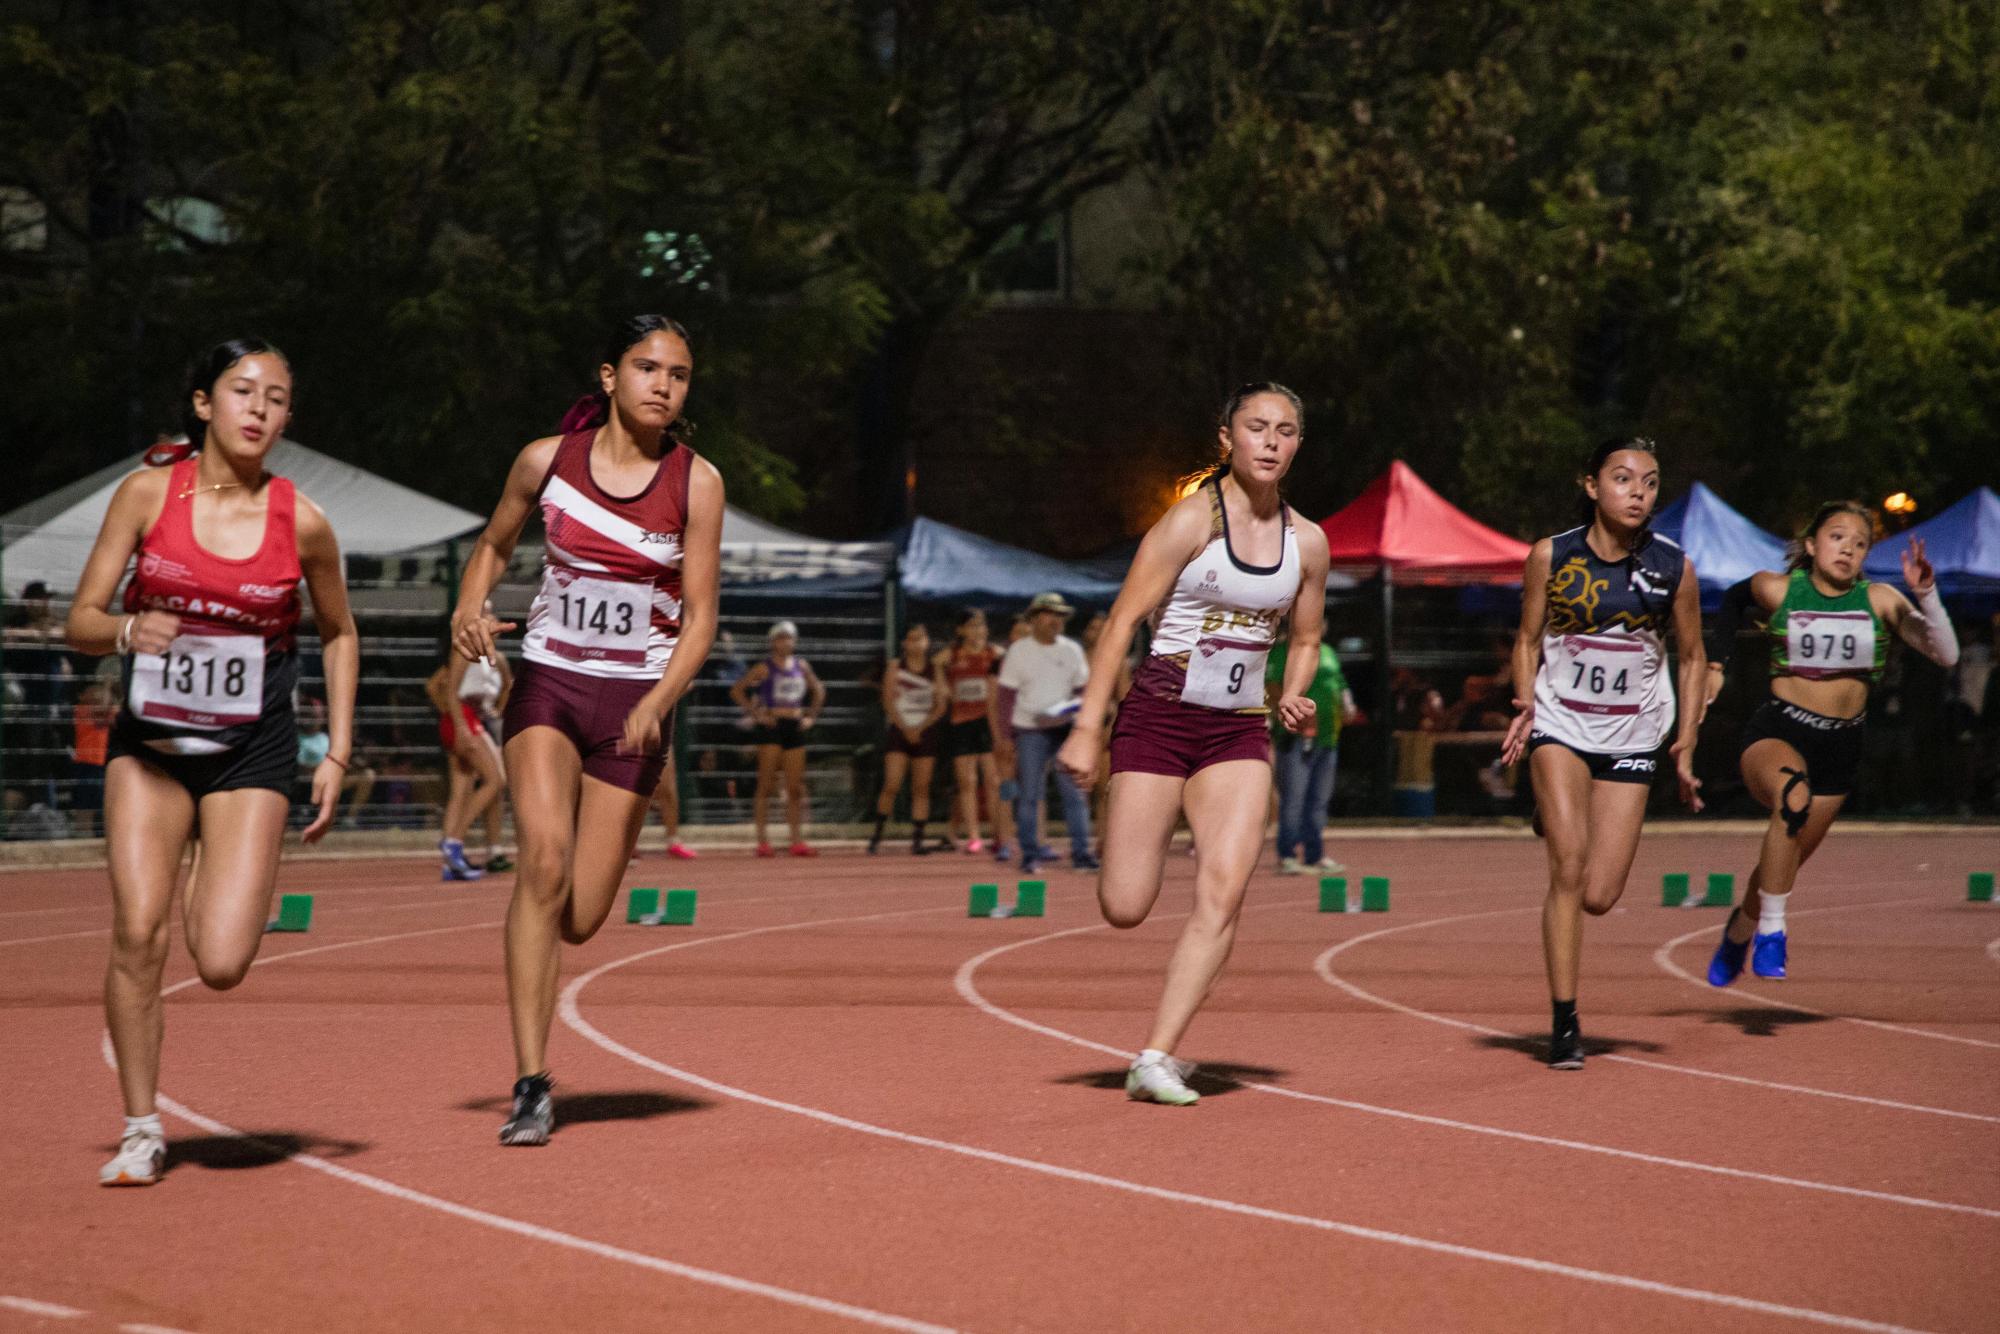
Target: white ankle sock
point(149, 1125)
point(1771, 913)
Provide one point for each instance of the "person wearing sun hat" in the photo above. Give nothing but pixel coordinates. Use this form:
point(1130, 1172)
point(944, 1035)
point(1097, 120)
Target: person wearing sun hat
point(1041, 680)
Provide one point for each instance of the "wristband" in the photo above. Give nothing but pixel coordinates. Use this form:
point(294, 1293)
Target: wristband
point(123, 643)
point(341, 763)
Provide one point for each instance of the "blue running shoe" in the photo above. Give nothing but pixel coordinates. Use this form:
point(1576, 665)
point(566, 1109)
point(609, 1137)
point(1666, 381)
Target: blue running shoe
point(456, 867)
point(1727, 965)
point(1767, 959)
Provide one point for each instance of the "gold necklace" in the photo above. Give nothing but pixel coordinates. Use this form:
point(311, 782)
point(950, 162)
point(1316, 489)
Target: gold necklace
point(219, 486)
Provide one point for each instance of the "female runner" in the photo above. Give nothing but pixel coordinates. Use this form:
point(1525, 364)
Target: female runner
point(913, 705)
point(783, 697)
point(619, 627)
point(205, 745)
point(485, 686)
point(473, 775)
point(1829, 629)
point(1597, 602)
point(965, 673)
point(1217, 576)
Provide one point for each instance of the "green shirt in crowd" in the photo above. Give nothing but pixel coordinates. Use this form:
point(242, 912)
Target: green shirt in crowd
point(1329, 684)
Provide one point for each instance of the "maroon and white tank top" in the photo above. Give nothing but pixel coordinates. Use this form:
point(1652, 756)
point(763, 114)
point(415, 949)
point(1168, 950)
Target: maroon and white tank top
point(610, 600)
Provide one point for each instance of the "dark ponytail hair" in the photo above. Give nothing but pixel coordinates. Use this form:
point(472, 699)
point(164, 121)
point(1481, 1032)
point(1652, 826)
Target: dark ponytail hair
point(207, 369)
point(594, 408)
point(1586, 508)
point(1795, 550)
point(1227, 418)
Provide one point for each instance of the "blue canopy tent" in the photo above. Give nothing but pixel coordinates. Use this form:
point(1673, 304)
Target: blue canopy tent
point(941, 563)
point(1962, 542)
point(1725, 547)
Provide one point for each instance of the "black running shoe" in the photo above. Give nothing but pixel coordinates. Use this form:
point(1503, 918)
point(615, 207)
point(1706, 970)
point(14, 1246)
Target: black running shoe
point(497, 863)
point(534, 1112)
point(1566, 1047)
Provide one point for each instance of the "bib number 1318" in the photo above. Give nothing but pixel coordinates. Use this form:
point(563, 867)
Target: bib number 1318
point(202, 681)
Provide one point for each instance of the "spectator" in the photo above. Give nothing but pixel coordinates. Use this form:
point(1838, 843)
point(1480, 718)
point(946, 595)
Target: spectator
point(38, 673)
point(1305, 765)
point(359, 782)
point(1041, 681)
point(96, 705)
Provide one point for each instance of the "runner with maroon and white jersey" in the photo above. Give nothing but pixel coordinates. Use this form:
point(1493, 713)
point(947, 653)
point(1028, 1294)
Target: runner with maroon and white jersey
point(619, 628)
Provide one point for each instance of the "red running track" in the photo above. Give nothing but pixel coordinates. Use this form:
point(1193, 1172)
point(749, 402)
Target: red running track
point(838, 1101)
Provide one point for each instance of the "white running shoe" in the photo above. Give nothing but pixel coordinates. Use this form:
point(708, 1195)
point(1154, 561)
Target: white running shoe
point(1291, 866)
point(141, 1160)
point(1156, 1077)
point(1331, 867)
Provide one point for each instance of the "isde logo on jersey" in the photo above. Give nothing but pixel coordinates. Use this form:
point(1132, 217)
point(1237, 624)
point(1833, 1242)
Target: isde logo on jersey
point(651, 538)
point(268, 592)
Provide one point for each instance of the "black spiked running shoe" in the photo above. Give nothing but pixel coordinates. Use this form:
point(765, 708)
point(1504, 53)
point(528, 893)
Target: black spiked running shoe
point(1566, 1047)
point(534, 1112)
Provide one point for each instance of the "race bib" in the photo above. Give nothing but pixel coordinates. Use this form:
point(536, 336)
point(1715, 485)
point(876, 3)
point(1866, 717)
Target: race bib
point(1830, 643)
point(1226, 674)
point(601, 620)
point(970, 690)
point(1600, 674)
point(788, 691)
point(204, 682)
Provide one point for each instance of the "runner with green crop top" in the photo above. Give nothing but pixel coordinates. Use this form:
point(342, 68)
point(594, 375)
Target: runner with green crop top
point(1829, 631)
point(1305, 765)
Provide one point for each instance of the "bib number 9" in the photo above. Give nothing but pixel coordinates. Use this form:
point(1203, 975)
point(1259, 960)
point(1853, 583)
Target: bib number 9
point(1226, 674)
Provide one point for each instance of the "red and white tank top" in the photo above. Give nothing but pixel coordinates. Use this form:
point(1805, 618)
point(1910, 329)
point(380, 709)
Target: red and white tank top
point(234, 660)
point(916, 695)
point(610, 600)
point(970, 672)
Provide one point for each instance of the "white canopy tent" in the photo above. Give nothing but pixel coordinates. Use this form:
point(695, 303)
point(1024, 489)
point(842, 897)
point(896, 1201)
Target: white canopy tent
point(50, 539)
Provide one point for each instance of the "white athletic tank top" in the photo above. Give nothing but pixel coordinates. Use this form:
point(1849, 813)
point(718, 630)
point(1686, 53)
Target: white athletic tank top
point(1224, 615)
point(480, 685)
point(915, 697)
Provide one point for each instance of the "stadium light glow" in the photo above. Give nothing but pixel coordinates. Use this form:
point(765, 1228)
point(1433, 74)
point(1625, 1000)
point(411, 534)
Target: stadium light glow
point(1900, 503)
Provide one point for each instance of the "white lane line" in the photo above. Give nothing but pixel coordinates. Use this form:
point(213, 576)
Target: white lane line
point(502, 1223)
point(1662, 957)
point(1323, 965)
point(968, 988)
point(150, 1329)
point(1993, 951)
point(573, 1018)
point(48, 1309)
point(330, 910)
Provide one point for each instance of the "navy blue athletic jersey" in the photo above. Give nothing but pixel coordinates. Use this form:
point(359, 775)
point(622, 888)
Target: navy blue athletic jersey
point(1603, 684)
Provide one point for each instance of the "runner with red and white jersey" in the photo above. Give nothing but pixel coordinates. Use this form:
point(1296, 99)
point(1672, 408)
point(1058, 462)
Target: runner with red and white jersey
point(205, 746)
point(620, 626)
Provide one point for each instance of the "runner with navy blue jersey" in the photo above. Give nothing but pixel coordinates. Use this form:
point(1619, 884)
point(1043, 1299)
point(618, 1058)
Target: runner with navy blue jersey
point(1597, 605)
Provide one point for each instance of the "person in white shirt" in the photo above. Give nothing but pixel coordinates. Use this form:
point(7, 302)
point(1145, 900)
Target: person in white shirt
point(1041, 680)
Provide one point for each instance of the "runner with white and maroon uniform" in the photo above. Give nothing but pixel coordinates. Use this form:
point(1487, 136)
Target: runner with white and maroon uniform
point(914, 710)
point(205, 746)
point(1216, 577)
point(1598, 602)
point(621, 624)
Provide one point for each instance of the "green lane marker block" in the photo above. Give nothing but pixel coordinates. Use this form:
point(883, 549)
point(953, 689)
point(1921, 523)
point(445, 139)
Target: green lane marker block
point(1375, 893)
point(1031, 899)
point(643, 903)
point(295, 913)
point(1721, 890)
point(680, 908)
point(982, 901)
point(1333, 893)
point(1979, 887)
point(1674, 889)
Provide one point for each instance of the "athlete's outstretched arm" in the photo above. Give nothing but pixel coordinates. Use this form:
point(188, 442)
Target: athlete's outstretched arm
point(472, 630)
point(701, 579)
point(1168, 545)
point(1924, 627)
point(1528, 648)
point(1298, 713)
point(1693, 681)
point(340, 657)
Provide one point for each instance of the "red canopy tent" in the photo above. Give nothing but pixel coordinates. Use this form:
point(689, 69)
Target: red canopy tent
point(1409, 534)
point(1419, 536)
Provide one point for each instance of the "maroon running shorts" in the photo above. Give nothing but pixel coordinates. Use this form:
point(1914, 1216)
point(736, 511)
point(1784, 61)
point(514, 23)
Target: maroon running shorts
point(1158, 734)
point(591, 712)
